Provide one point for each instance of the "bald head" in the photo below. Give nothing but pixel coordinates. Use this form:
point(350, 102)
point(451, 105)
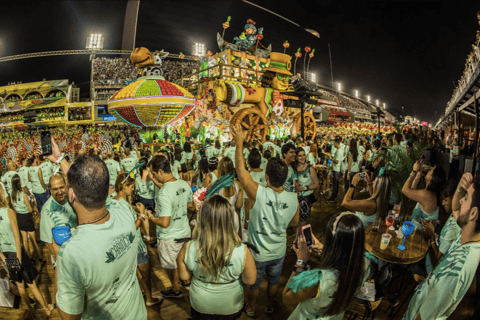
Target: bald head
point(11, 165)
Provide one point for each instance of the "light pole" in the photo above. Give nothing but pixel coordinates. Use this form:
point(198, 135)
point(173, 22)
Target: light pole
point(94, 42)
point(384, 106)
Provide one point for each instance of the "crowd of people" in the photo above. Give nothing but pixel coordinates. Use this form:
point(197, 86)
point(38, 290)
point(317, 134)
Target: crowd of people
point(221, 213)
point(174, 70)
point(113, 71)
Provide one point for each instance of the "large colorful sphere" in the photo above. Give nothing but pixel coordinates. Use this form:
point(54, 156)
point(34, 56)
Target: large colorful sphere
point(150, 102)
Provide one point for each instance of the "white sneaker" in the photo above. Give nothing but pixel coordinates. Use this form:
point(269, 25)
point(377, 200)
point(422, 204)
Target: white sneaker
point(193, 223)
point(158, 300)
point(364, 190)
point(146, 237)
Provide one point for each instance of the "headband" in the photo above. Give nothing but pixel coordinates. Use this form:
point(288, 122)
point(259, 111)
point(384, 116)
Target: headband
point(334, 230)
point(131, 173)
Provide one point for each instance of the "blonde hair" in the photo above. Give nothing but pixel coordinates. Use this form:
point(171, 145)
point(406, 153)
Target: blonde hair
point(216, 236)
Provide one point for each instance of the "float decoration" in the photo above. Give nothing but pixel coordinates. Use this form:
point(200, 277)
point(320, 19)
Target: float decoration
point(151, 100)
point(286, 45)
point(298, 54)
point(247, 41)
point(226, 25)
point(307, 50)
point(310, 58)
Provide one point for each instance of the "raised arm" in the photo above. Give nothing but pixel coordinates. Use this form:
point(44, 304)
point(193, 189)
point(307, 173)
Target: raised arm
point(244, 176)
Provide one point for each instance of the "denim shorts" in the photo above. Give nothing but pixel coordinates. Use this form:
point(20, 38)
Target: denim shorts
point(272, 268)
point(142, 258)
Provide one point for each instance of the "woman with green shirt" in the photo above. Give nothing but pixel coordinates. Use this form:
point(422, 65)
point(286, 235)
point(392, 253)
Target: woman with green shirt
point(218, 149)
point(216, 291)
point(187, 156)
point(354, 158)
point(11, 248)
point(146, 193)
point(24, 210)
point(124, 187)
point(326, 292)
point(307, 180)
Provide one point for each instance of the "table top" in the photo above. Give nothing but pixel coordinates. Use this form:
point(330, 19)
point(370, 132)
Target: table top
point(416, 246)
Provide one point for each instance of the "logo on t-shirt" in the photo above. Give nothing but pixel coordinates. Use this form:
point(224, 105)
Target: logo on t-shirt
point(277, 205)
point(120, 246)
point(181, 191)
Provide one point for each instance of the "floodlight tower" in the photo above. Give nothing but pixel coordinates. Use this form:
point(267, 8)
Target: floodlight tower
point(94, 43)
point(199, 49)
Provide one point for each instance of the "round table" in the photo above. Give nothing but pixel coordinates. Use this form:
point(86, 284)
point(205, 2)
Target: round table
point(416, 246)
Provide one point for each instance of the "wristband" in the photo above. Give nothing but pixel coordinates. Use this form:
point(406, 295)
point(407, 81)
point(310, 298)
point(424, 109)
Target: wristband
point(62, 157)
point(413, 175)
point(352, 186)
point(370, 183)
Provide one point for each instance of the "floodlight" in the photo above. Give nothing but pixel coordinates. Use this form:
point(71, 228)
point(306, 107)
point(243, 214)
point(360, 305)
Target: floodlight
point(199, 49)
point(339, 86)
point(95, 41)
point(356, 93)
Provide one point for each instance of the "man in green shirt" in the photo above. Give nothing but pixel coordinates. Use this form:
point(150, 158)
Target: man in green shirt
point(97, 266)
point(23, 173)
point(128, 163)
point(268, 144)
point(337, 157)
point(230, 152)
point(289, 156)
point(113, 168)
point(171, 217)
point(444, 288)
point(273, 209)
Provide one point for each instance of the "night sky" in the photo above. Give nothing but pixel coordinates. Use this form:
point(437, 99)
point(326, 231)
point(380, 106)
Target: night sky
point(403, 53)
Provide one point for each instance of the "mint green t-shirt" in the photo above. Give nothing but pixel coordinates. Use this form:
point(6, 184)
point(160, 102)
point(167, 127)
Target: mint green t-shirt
point(263, 164)
point(5, 193)
point(175, 167)
point(268, 144)
point(35, 178)
point(355, 166)
point(209, 151)
point(444, 288)
point(289, 183)
point(55, 215)
point(337, 154)
point(47, 171)
point(224, 297)
point(258, 177)
point(7, 239)
point(268, 222)
point(128, 164)
point(304, 180)
point(19, 203)
point(97, 270)
point(142, 248)
point(186, 156)
point(7, 180)
point(172, 201)
point(452, 151)
point(230, 152)
point(449, 233)
point(23, 173)
point(315, 308)
point(113, 168)
point(145, 189)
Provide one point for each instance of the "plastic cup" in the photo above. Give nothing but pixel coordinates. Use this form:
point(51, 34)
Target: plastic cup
point(386, 237)
point(399, 234)
point(376, 224)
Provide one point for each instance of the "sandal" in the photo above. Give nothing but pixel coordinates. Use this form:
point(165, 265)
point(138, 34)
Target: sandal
point(270, 310)
point(250, 313)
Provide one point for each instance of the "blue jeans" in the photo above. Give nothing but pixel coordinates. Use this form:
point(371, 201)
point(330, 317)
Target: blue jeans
point(334, 185)
point(41, 198)
point(273, 268)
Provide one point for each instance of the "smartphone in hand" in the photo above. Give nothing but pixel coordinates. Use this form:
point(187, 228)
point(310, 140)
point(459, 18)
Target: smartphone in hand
point(307, 233)
point(46, 140)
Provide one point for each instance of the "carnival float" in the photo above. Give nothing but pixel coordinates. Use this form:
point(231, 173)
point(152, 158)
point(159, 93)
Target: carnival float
point(244, 84)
